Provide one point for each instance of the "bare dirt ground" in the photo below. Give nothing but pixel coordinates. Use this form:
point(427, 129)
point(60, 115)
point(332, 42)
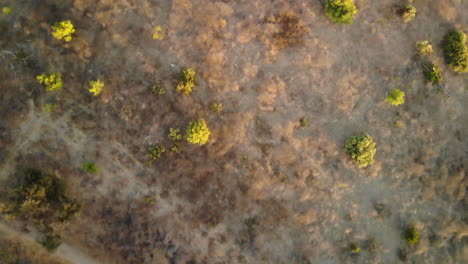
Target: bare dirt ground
point(263, 190)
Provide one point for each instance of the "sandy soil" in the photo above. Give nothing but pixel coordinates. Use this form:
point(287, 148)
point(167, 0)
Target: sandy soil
point(263, 190)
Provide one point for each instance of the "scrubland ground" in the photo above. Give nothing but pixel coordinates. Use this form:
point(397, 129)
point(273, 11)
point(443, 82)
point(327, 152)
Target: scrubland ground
point(264, 189)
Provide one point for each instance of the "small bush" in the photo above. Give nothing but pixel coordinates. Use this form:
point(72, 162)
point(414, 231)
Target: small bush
point(90, 167)
point(50, 241)
point(53, 82)
point(412, 235)
point(424, 48)
point(341, 11)
point(361, 149)
point(158, 33)
point(158, 89)
point(408, 12)
point(63, 30)
point(150, 200)
point(197, 132)
point(187, 82)
point(398, 124)
point(96, 87)
point(176, 148)
point(156, 151)
point(355, 248)
point(396, 97)
point(456, 51)
point(6, 10)
point(50, 107)
point(217, 107)
point(304, 122)
point(174, 134)
point(432, 73)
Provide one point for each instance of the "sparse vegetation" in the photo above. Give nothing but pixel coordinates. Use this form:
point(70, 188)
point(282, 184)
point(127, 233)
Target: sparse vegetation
point(63, 30)
point(361, 149)
point(150, 200)
point(53, 82)
point(412, 235)
point(432, 73)
point(158, 89)
point(50, 107)
point(90, 167)
point(40, 198)
point(14, 250)
point(456, 51)
point(197, 132)
point(96, 87)
point(50, 241)
point(341, 11)
point(176, 148)
point(424, 48)
point(174, 134)
point(187, 82)
point(408, 13)
point(156, 151)
point(396, 97)
point(291, 31)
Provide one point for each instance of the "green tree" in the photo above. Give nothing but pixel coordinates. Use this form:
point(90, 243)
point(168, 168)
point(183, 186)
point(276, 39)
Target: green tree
point(361, 149)
point(197, 132)
point(412, 235)
point(341, 11)
point(456, 51)
point(396, 97)
point(187, 82)
point(432, 73)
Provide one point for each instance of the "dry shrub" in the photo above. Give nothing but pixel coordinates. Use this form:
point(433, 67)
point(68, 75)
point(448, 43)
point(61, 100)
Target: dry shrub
point(291, 33)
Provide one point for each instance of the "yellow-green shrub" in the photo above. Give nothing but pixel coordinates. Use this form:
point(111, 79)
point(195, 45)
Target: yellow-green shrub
point(217, 107)
point(456, 51)
point(6, 10)
point(197, 132)
point(53, 82)
point(341, 11)
point(156, 151)
point(408, 12)
point(96, 87)
point(158, 33)
point(361, 149)
point(187, 82)
point(63, 30)
point(412, 235)
point(424, 48)
point(396, 97)
point(174, 134)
